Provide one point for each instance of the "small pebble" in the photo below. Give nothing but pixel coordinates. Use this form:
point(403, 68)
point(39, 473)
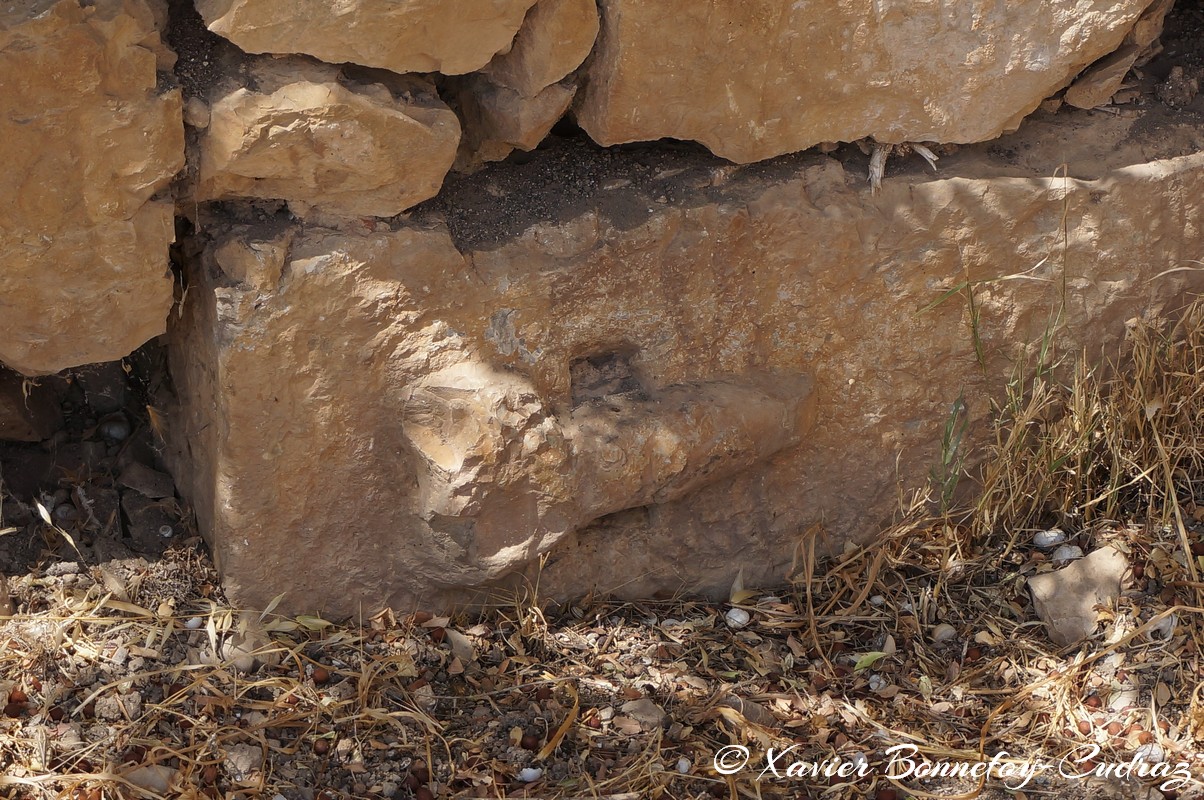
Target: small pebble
point(530, 774)
point(1050, 538)
point(1149, 753)
point(115, 428)
point(737, 618)
point(193, 623)
point(683, 766)
point(1067, 552)
point(165, 531)
point(943, 632)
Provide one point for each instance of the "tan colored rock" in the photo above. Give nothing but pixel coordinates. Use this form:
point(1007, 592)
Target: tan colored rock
point(657, 384)
point(449, 36)
point(555, 38)
point(86, 140)
point(1098, 83)
point(756, 79)
point(1066, 599)
point(343, 147)
point(498, 120)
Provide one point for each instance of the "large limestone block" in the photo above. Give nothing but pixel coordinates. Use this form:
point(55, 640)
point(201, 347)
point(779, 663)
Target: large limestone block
point(658, 384)
point(307, 136)
point(751, 80)
point(86, 139)
point(553, 41)
point(448, 36)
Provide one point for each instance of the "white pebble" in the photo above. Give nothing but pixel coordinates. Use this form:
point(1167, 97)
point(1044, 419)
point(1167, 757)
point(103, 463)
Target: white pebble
point(877, 600)
point(1149, 753)
point(192, 623)
point(877, 682)
point(1049, 538)
point(683, 766)
point(737, 618)
point(530, 774)
point(943, 632)
point(1067, 552)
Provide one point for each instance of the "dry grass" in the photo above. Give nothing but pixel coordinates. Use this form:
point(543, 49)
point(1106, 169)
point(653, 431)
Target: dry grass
point(119, 678)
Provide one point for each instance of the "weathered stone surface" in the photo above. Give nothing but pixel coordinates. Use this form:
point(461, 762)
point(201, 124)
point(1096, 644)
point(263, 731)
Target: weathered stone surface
point(1097, 84)
point(1066, 599)
point(448, 36)
point(343, 147)
point(659, 384)
point(498, 120)
point(757, 79)
point(28, 412)
point(555, 38)
point(86, 139)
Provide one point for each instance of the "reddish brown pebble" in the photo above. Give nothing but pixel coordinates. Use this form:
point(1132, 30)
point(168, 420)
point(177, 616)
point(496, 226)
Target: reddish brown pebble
point(14, 709)
point(1164, 726)
point(594, 723)
point(819, 683)
point(56, 714)
point(530, 742)
point(423, 793)
point(290, 699)
point(438, 635)
point(325, 794)
point(972, 655)
point(838, 647)
point(1114, 728)
point(1197, 548)
point(321, 746)
point(421, 617)
point(1084, 726)
point(1093, 701)
point(886, 793)
point(209, 775)
point(421, 772)
point(543, 693)
point(1145, 737)
point(410, 782)
point(185, 725)
point(321, 675)
point(18, 696)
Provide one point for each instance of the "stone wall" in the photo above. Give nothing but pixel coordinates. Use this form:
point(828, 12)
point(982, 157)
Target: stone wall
point(407, 364)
